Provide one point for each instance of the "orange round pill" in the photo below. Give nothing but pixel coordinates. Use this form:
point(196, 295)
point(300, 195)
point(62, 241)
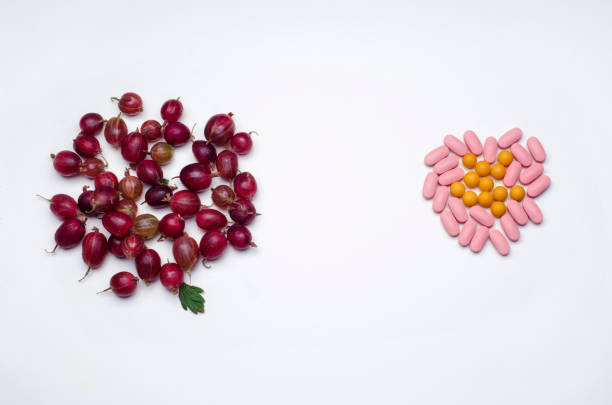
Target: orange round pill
point(469, 160)
point(486, 184)
point(498, 208)
point(483, 168)
point(498, 171)
point(469, 198)
point(485, 199)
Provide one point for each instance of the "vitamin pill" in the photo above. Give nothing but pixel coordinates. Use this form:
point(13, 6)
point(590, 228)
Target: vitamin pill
point(512, 174)
point(481, 216)
point(469, 198)
point(457, 189)
point(430, 185)
point(486, 184)
point(510, 228)
point(518, 213)
point(467, 232)
point(531, 173)
point(498, 171)
point(450, 223)
point(446, 164)
point(439, 199)
point(436, 155)
point(538, 186)
point(533, 211)
point(536, 149)
point(471, 179)
point(458, 209)
point(510, 137)
point(479, 239)
point(451, 176)
point(505, 157)
point(521, 154)
point(455, 145)
point(498, 208)
point(472, 142)
point(490, 149)
point(483, 168)
point(517, 193)
point(469, 160)
point(499, 242)
point(485, 199)
point(500, 193)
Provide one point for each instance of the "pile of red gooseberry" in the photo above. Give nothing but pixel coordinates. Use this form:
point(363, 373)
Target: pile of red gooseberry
point(115, 201)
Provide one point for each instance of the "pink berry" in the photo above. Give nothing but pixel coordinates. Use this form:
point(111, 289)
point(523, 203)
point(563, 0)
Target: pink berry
point(209, 219)
point(106, 179)
point(123, 284)
point(86, 145)
point(241, 143)
point(129, 103)
point(63, 206)
point(132, 246)
point(67, 163)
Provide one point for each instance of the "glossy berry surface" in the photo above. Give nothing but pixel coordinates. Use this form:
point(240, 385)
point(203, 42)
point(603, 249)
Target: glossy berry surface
point(130, 103)
point(176, 133)
point(186, 203)
point(150, 172)
point(223, 196)
point(161, 153)
point(209, 219)
point(115, 130)
point(239, 237)
point(241, 143)
point(134, 147)
point(227, 164)
point(171, 277)
point(245, 185)
point(114, 246)
point(92, 167)
point(117, 223)
point(67, 163)
point(69, 233)
point(84, 201)
point(86, 146)
point(185, 251)
point(91, 123)
point(130, 186)
point(172, 110)
point(104, 199)
point(242, 211)
point(212, 245)
point(196, 177)
point(146, 226)
point(219, 129)
point(159, 196)
point(132, 246)
point(151, 130)
point(106, 179)
point(63, 206)
point(148, 265)
point(204, 152)
point(123, 284)
point(128, 207)
point(94, 249)
point(172, 225)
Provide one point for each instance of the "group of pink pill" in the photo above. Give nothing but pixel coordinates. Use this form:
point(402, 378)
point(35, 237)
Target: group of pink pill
point(475, 229)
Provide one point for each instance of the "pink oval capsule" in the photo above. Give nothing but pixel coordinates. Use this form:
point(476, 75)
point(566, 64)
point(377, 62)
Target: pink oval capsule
point(467, 232)
point(444, 165)
point(521, 154)
point(451, 176)
point(510, 228)
point(483, 217)
point(439, 200)
point(499, 242)
point(472, 142)
point(450, 223)
point(512, 173)
point(533, 211)
point(538, 186)
point(455, 145)
point(536, 149)
point(510, 137)
point(490, 149)
point(458, 209)
point(531, 173)
point(430, 185)
point(479, 239)
point(518, 213)
point(436, 155)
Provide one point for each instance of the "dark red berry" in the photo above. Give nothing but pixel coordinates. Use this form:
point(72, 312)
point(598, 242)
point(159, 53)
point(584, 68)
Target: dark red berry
point(94, 250)
point(106, 179)
point(129, 103)
point(63, 206)
point(209, 219)
point(239, 237)
point(245, 185)
point(104, 199)
point(171, 277)
point(69, 234)
point(114, 246)
point(148, 265)
point(242, 211)
point(134, 147)
point(115, 130)
point(85, 201)
point(86, 145)
point(132, 245)
point(241, 143)
point(185, 251)
point(227, 164)
point(150, 172)
point(117, 223)
point(159, 196)
point(67, 163)
point(128, 207)
point(171, 110)
point(212, 245)
point(196, 177)
point(151, 129)
point(223, 196)
point(91, 123)
point(176, 133)
point(92, 167)
point(172, 225)
point(130, 186)
point(186, 203)
point(219, 129)
point(161, 153)
point(204, 152)
point(123, 284)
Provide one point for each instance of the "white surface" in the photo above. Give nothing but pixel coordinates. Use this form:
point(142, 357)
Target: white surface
point(356, 294)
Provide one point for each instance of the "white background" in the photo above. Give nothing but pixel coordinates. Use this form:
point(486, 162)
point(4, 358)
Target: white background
point(356, 294)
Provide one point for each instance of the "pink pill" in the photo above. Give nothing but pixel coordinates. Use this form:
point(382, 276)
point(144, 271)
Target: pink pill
point(512, 173)
point(472, 142)
point(482, 216)
point(499, 242)
point(510, 137)
point(538, 186)
point(510, 228)
point(479, 239)
point(533, 211)
point(444, 165)
point(451, 176)
point(521, 154)
point(450, 223)
point(455, 145)
point(467, 232)
point(439, 200)
point(531, 173)
point(458, 209)
point(430, 185)
point(518, 213)
point(436, 155)
point(536, 149)
point(490, 149)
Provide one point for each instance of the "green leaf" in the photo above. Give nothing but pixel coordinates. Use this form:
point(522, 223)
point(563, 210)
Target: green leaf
point(191, 298)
